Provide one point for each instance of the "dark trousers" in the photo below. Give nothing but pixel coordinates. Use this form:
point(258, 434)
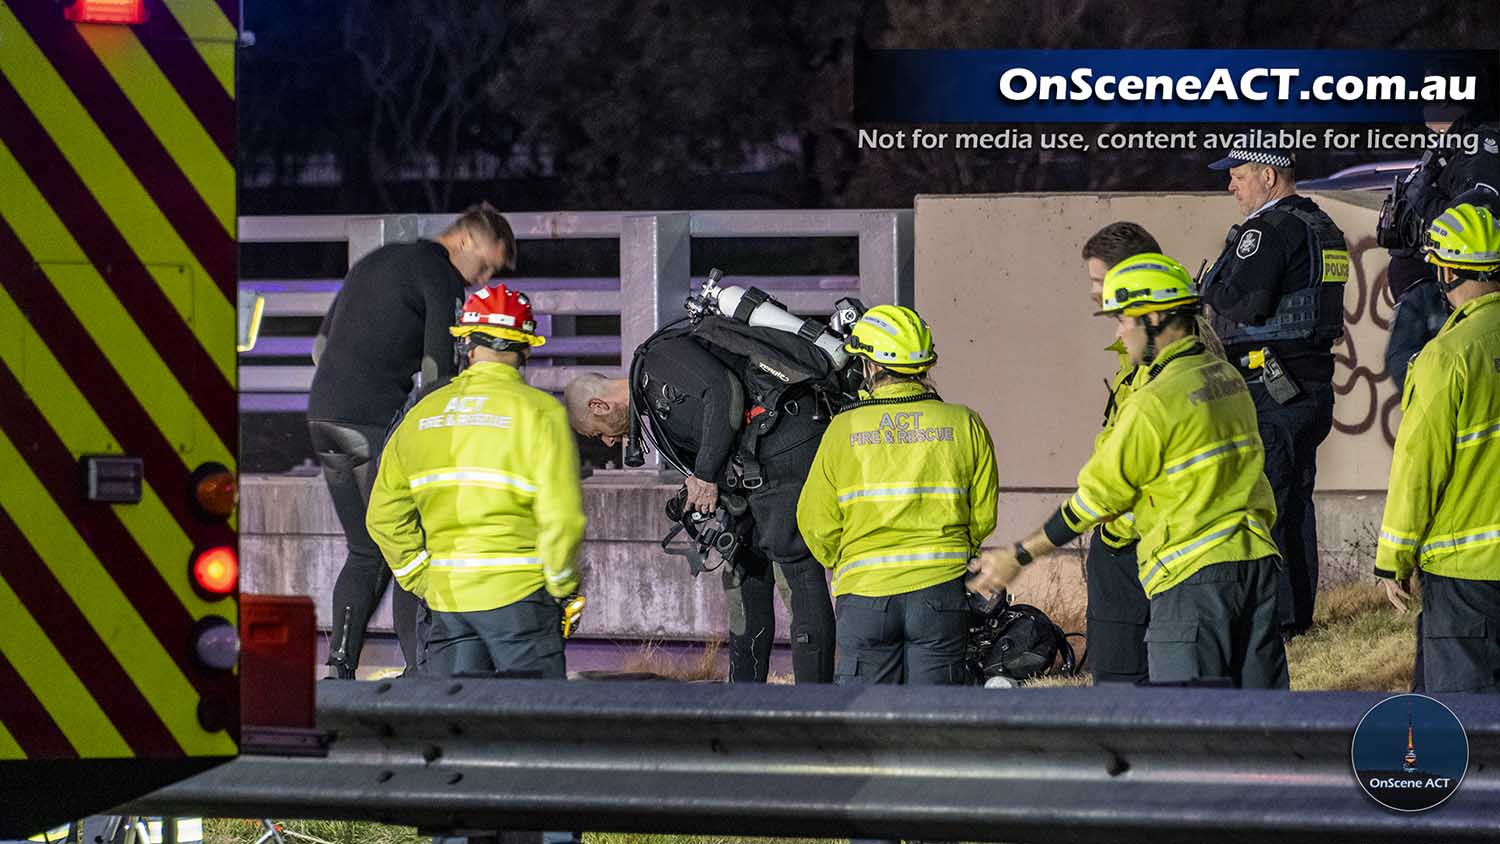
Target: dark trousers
point(350, 456)
point(520, 639)
point(1460, 634)
point(1117, 614)
point(748, 586)
point(1291, 434)
point(779, 555)
point(916, 639)
point(1220, 622)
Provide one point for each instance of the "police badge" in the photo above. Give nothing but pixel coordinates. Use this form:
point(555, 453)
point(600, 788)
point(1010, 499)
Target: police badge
point(1249, 243)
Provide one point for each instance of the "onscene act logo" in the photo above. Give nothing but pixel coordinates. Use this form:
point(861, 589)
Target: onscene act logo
point(1410, 753)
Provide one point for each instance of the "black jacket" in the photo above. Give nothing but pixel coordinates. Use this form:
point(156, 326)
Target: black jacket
point(695, 400)
point(390, 320)
point(1462, 172)
point(1260, 269)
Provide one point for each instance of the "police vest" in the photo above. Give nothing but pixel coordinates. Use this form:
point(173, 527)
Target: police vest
point(1316, 310)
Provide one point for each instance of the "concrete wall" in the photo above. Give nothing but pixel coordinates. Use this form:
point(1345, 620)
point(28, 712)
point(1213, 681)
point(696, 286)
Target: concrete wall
point(291, 543)
point(1001, 281)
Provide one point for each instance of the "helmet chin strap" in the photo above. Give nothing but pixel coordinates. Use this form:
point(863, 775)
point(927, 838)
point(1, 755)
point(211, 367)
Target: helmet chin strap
point(1149, 354)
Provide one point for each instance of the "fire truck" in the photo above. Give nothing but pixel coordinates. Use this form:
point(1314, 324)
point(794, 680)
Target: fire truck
point(119, 605)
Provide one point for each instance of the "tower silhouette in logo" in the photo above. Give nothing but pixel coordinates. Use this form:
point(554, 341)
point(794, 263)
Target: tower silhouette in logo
point(1409, 763)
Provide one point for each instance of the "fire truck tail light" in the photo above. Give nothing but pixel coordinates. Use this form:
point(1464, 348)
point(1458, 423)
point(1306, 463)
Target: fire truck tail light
point(216, 571)
point(106, 11)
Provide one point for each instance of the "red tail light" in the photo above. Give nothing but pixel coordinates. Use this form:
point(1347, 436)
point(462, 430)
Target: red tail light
point(216, 571)
point(107, 11)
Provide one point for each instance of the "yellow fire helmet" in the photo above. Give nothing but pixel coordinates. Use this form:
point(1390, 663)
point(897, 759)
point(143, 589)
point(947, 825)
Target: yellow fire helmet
point(1144, 283)
point(894, 337)
point(1465, 237)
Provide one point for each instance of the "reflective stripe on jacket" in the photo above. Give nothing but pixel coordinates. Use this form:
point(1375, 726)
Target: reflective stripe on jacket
point(1185, 457)
point(477, 503)
point(900, 495)
point(1440, 508)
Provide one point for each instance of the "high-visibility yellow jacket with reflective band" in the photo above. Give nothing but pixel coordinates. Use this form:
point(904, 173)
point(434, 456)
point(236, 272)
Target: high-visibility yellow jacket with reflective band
point(1120, 532)
point(477, 503)
point(1185, 457)
point(1442, 510)
point(900, 496)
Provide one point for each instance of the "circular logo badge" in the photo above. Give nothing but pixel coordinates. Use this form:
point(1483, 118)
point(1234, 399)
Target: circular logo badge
point(1410, 753)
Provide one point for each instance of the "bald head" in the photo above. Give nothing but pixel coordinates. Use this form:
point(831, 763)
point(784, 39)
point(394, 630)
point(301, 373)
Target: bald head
point(598, 406)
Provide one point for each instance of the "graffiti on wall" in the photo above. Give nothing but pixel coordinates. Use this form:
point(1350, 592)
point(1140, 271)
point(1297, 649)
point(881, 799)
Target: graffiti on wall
point(1360, 378)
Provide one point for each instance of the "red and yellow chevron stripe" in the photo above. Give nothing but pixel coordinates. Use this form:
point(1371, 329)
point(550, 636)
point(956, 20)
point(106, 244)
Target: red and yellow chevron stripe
point(117, 336)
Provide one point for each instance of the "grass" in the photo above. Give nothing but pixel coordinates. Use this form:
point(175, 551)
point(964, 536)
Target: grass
point(1359, 643)
point(241, 831)
point(232, 831)
point(707, 665)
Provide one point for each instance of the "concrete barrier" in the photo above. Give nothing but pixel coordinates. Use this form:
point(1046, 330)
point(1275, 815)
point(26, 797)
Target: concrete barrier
point(291, 544)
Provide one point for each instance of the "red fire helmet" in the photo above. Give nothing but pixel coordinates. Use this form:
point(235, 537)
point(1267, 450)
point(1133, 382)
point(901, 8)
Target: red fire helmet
point(501, 313)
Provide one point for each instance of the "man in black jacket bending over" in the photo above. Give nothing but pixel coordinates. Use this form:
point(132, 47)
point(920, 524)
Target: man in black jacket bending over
point(700, 405)
point(388, 323)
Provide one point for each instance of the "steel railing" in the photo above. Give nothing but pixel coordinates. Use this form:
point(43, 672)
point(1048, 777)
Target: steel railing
point(1047, 765)
point(654, 278)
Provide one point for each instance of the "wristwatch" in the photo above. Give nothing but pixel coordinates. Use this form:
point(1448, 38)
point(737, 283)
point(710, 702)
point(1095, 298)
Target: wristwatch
point(1022, 555)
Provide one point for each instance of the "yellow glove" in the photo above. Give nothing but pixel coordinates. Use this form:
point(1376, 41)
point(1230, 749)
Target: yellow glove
point(993, 571)
point(572, 611)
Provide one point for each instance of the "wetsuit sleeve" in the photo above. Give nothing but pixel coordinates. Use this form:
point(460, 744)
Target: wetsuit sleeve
point(439, 308)
point(320, 342)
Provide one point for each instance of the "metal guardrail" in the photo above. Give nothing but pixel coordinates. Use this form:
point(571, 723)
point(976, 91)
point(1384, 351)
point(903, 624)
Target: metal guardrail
point(1045, 765)
point(654, 278)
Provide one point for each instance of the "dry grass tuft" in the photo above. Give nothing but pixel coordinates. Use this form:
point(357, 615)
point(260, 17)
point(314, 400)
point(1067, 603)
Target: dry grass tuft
point(243, 831)
point(706, 666)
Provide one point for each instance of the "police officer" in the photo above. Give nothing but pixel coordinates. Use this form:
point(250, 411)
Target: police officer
point(699, 405)
point(477, 506)
point(1440, 516)
point(1275, 297)
point(389, 321)
point(1118, 608)
point(1184, 457)
point(1444, 177)
point(899, 498)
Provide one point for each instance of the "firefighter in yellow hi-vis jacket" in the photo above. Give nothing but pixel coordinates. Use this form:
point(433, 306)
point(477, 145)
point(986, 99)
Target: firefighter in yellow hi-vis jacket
point(477, 506)
point(1440, 510)
point(1118, 609)
point(1186, 458)
point(898, 499)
